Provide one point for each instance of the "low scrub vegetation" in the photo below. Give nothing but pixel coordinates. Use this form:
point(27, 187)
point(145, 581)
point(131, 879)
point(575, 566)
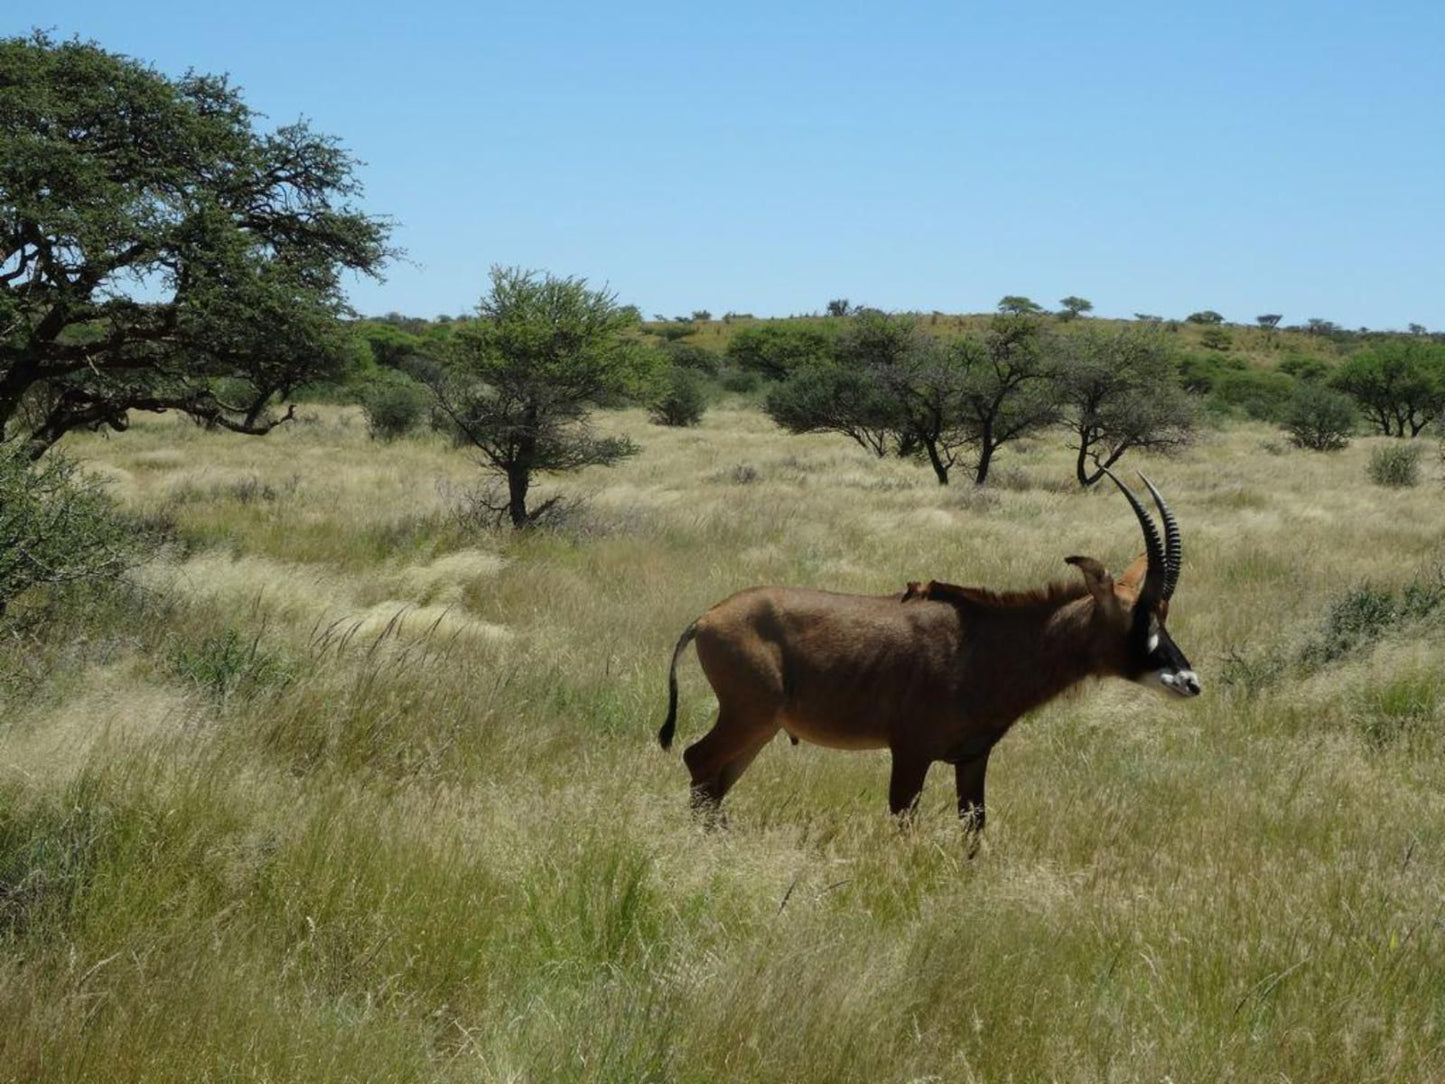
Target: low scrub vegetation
point(1395, 465)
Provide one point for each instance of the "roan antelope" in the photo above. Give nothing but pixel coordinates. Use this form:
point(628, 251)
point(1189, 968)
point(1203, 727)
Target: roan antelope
point(938, 673)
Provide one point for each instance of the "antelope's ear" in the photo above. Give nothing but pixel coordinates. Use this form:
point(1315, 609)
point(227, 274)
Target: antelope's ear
point(1133, 577)
point(1099, 582)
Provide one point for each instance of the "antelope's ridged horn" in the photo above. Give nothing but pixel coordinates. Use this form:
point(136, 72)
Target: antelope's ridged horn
point(1173, 546)
point(1154, 579)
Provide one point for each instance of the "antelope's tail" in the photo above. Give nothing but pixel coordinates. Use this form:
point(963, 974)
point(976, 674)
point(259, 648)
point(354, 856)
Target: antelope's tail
point(664, 736)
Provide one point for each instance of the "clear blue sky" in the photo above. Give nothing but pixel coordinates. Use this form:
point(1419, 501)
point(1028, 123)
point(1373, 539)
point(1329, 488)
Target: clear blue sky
point(1247, 157)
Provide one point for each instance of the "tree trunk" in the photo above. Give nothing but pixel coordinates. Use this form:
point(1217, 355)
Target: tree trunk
point(985, 457)
point(518, 479)
point(939, 467)
point(1085, 478)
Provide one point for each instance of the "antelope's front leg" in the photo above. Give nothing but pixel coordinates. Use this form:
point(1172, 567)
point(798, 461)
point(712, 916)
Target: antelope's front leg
point(906, 783)
point(968, 775)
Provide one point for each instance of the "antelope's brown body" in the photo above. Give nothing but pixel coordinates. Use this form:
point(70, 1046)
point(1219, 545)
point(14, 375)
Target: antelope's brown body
point(938, 673)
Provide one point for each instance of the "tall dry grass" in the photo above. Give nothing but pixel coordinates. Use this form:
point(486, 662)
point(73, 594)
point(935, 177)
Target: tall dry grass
point(344, 788)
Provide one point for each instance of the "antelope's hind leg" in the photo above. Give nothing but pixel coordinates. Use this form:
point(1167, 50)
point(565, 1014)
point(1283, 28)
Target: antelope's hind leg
point(718, 759)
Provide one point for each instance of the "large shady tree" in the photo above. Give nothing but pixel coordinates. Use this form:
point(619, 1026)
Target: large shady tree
point(157, 251)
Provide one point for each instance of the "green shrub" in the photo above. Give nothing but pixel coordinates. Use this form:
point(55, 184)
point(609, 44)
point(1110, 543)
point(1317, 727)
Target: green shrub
point(1360, 615)
point(1319, 418)
point(691, 356)
point(1255, 393)
point(58, 526)
point(1200, 372)
point(683, 402)
point(741, 381)
point(1396, 465)
point(1306, 368)
point(228, 666)
point(393, 403)
point(1216, 338)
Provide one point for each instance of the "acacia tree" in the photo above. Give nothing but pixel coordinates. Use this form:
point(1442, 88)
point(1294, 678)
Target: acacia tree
point(889, 386)
point(159, 253)
point(1006, 386)
point(777, 350)
point(1074, 307)
point(521, 380)
point(1018, 305)
point(829, 398)
point(1119, 391)
point(1399, 384)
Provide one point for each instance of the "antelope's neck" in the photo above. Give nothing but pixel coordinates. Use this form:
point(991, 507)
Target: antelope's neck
point(1047, 653)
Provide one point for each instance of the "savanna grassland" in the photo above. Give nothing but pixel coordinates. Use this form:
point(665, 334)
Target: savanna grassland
point(342, 786)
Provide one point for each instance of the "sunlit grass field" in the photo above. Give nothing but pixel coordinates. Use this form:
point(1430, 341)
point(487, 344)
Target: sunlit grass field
point(343, 787)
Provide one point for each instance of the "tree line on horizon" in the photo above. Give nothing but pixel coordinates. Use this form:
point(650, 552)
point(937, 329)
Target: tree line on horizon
point(161, 252)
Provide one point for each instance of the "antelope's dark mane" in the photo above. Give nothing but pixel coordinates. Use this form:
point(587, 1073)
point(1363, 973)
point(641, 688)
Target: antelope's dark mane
point(1049, 597)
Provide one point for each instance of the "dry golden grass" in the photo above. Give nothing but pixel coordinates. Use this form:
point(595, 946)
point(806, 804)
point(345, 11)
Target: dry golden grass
point(348, 790)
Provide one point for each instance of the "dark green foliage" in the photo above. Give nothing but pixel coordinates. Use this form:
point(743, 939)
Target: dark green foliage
point(839, 307)
point(58, 527)
point(1255, 393)
point(521, 381)
point(1303, 367)
point(674, 332)
point(1120, 390)
point(1216, 338)
point(1362, 615)
point(1074, 307)
point(1269, 320)
point(838, 399)
point(681, 355)
point(776, 350)
point(1399, 384)
point(1018, 305)
point(683, 402)
point(1395, 465)
point(1319, 418)
point(888, 383)
point(1199, 373)
point(394, 404)
point(156, 243)
point(1204, 316)
point(739, 381)
point(389, 344)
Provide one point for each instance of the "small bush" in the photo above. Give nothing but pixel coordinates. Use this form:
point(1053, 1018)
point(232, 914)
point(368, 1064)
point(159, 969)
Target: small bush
point(741, 474)
point(227, 666)
point(741, 381)
point(690, 356)
point(393, 403)
point(683, 402)
point(1319, 418)
point(1216, 338)
point(1360, 615)
point(1396, 465)
point(59, 527)
point(1304, 367)
point(1255, 393)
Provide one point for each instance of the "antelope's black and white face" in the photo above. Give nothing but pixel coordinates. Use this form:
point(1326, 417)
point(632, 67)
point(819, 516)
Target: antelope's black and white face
point(1158, 661)
point(1154, 658)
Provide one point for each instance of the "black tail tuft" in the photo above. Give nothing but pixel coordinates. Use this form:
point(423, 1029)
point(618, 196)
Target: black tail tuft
point(669, 727)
